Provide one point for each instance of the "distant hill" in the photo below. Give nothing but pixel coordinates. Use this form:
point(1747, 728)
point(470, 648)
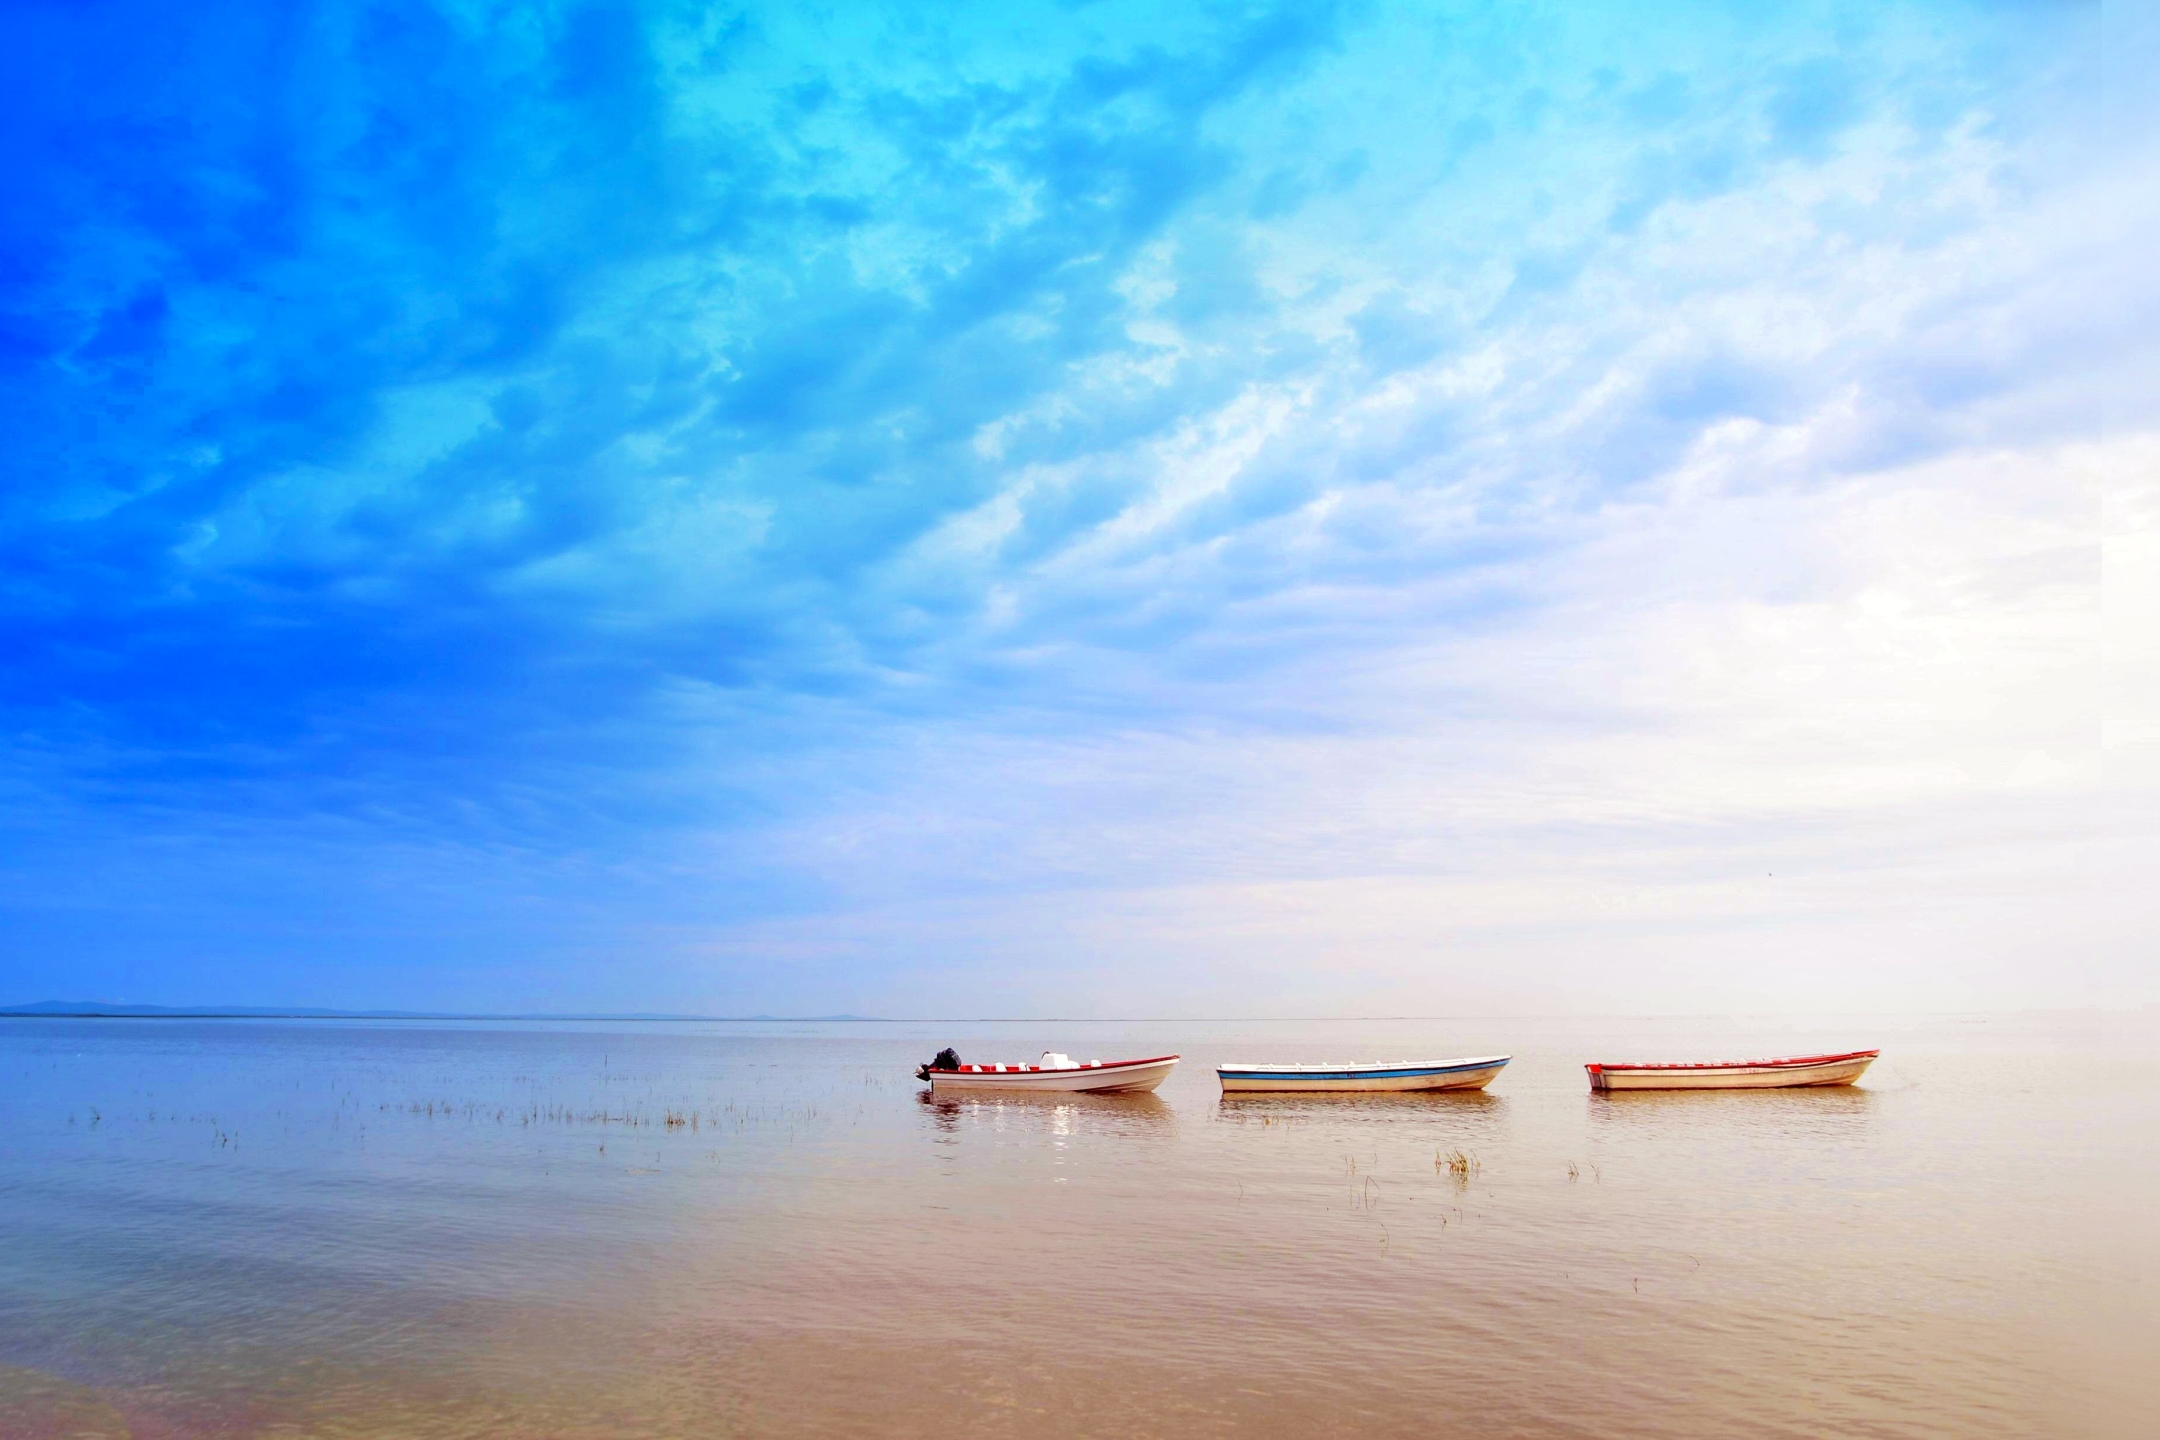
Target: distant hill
point(107, 1010)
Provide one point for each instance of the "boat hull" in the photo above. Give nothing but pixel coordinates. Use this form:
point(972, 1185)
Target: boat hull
point(1799, 1073)
point(1362, 1079)
point(1117, 1077)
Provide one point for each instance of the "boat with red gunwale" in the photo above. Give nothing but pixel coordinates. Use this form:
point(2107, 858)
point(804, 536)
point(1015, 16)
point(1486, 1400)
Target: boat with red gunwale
point(1055, 1072)
point(1792, 1072)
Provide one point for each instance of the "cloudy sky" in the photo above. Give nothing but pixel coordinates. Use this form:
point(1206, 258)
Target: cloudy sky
point(1080, 509)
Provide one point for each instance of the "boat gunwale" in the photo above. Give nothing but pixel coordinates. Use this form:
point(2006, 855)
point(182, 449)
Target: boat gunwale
point(1794, 1062)
point(1373, 1070)
point(1097, 1066)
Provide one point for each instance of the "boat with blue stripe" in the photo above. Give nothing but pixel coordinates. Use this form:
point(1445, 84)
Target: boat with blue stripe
point(1470, 1074)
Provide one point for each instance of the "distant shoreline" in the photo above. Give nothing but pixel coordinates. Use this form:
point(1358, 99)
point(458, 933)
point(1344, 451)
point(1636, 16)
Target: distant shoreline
point(76, 1010)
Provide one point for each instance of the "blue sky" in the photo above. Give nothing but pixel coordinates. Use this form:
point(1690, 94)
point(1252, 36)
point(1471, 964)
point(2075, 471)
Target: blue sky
point(1078, 509)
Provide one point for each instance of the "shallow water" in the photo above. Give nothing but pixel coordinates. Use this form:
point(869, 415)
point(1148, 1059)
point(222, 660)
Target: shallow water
point(422, 1229)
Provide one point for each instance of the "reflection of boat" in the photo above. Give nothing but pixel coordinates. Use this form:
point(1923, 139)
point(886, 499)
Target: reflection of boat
point(1056, 1072)
point(1797, 1071)
point(1376, 1075)
point(1049, 1112)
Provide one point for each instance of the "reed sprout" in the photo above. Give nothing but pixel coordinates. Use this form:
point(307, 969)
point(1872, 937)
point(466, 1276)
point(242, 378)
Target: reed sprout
point(1459, 1165)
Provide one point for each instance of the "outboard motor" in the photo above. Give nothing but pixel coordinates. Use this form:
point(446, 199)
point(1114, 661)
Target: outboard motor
point(947, 1059)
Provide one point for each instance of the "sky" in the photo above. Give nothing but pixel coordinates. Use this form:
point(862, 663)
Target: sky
point(1080, 509)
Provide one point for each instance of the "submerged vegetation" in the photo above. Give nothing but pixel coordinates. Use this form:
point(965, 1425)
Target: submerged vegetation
point(668, 1118)
point(1459, 1165)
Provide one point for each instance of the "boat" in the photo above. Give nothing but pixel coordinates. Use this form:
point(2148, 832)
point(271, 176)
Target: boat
point(1473, 1074)
point(1055, 1072)
point(1792, 1072)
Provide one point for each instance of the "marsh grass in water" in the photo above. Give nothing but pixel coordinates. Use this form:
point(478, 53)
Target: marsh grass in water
point(1459, 1165)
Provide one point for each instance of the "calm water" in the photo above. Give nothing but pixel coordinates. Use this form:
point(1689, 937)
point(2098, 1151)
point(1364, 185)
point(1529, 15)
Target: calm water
point(238, 1229)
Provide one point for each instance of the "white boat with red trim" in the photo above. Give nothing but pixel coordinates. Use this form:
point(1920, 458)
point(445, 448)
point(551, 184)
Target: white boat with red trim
point(1366, 1076)
point(1055, 1072)
point(1790, 1073)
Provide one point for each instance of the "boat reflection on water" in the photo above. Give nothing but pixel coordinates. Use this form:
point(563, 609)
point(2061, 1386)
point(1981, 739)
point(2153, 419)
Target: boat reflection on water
point(1050, 1112)
point(1441, 1118)
point(1374, 1104)
point(1751, 1117)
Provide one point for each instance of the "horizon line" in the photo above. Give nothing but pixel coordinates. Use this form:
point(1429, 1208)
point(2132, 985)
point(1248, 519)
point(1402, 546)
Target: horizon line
point(106, 1010)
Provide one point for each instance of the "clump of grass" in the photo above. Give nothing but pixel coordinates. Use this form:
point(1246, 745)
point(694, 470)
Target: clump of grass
point(1573, 1172)
point(1460, 1165)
